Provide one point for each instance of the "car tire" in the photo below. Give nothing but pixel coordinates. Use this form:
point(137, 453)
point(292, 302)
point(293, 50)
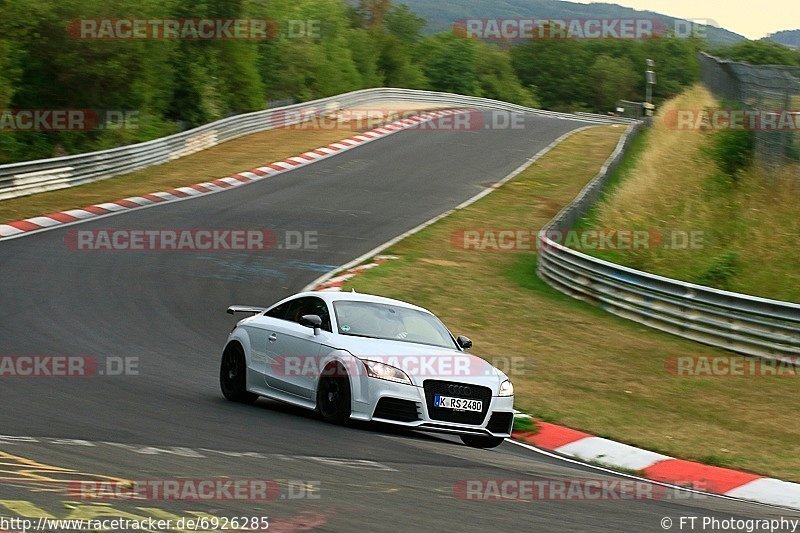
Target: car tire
point(333, 395)
point(482, 441)
point(233, 375)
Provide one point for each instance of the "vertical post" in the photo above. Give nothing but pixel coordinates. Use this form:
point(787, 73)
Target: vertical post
point(651, 80)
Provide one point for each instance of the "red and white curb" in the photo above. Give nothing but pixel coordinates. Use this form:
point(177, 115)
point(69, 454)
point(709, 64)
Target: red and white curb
point(589, 448)
point(24, 227)
point(335, 283)
point(659, 467)
point(612, 454)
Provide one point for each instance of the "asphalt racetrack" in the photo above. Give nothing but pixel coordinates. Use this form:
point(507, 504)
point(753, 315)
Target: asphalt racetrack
point(167, 309)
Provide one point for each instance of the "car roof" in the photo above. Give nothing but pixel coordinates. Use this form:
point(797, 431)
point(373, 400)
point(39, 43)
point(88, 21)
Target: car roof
point(331, 296)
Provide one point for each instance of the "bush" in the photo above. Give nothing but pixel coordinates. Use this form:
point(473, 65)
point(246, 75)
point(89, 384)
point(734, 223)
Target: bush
point(732, 151)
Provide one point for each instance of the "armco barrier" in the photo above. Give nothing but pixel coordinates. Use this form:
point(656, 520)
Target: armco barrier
point(736, 322)
point(19, 179)
point(742, 323)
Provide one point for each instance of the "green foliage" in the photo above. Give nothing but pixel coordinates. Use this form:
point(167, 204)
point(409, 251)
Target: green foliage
point(365, 56)
point(497, 78)
point(570, 74)
point(525, 424)
point(173, 85)
point(450, 64)
point(613, 78)
point(9, 72)
point(404, 24)
point(557, 68)
point(721, 271)
point(732, 151)
point(397, 65)
point(760, 53)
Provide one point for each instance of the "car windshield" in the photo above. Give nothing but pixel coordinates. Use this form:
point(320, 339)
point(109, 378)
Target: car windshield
point(391, 322)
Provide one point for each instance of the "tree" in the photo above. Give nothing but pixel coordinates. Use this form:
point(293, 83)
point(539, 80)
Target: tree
point(366, 55)
point(760, 53)
point(450, 64)
point(613, 79)
point(370, 43)
point(397, 65)
point(405, 24)
point(557, 68)
point(498, 80)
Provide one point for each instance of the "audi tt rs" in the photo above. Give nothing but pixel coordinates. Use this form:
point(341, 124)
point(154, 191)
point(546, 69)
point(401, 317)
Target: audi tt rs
point(359, 357)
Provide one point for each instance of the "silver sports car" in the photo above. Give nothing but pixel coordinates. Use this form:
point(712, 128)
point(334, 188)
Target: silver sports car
point(354, 356)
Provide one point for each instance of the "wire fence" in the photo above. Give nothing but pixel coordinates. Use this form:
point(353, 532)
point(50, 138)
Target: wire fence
point(771, 93)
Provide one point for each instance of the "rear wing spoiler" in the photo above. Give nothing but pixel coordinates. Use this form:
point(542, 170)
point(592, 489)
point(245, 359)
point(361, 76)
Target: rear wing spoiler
point(245, 309)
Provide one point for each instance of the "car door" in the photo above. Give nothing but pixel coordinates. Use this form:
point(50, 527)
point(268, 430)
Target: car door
point(293, 350)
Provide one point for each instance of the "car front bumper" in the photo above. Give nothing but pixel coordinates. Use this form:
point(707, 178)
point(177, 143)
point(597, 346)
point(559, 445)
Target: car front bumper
point(371, 391)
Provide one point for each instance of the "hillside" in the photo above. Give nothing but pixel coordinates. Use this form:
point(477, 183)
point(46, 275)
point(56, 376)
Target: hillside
point(441, 14)
point(786, 37)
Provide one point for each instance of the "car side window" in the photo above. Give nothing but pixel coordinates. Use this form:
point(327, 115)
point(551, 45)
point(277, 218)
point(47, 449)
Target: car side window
point(280, 311)
point(309, 305)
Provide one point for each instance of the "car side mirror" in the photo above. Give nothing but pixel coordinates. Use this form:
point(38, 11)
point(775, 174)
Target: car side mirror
point(311, 321)
point(464, 342)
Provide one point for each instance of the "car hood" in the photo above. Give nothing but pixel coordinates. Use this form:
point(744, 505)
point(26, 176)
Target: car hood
point(421, 362)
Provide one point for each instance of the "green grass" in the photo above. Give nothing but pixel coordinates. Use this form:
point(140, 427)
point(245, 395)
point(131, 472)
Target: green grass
point(524, 424)
point(585, 368)
point(626, 166)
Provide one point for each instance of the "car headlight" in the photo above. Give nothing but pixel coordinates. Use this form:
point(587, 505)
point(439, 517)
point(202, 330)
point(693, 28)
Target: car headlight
point(382, 371)
point(506, 388)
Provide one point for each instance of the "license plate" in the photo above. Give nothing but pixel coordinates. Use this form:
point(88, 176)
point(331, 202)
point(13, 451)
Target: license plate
point(458, 404)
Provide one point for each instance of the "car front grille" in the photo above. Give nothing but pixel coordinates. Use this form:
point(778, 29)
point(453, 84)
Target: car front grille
point(500, 422)
point(472, 392)
point(396, 409)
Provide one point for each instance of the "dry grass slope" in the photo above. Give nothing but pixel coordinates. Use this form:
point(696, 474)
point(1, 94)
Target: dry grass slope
point(750, 226)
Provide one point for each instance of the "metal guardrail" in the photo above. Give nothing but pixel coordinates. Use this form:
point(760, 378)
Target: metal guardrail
point(19, 179)
point(746, 324)
point(737, 322)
